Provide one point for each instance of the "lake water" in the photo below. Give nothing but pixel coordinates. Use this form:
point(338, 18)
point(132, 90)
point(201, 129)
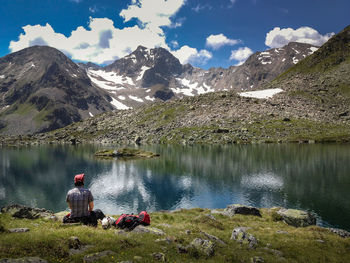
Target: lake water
point(310, 177)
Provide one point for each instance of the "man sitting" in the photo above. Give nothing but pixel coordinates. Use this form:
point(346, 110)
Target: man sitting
point(81, 204)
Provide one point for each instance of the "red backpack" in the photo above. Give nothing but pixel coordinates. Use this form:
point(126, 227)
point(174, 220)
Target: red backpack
point(144, 218)
point(131, 221)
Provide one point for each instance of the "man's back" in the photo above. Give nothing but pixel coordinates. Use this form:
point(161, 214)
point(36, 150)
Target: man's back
point(79, 199)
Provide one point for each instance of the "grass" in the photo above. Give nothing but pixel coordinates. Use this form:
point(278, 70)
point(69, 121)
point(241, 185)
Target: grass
point(49, 240)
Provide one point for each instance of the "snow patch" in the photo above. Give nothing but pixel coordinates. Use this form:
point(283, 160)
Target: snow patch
point(2, 76)
point(149, 90)
point(266, 62)
point(118, 105)
point(283, 59)
point(295, 60)
point(91, 115)
point(296, 51)
point(149, 98)
point(313, 49)
point(260, 94)
point(135, 98)
point(110, 77)
point(74, 76)
point(265, 53)
point(143, 69)
point(121, 97)
point(32, 65)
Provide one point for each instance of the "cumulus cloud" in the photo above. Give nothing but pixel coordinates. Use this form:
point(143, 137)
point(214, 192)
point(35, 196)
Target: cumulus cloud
point(188, 54)
point(241, 55)
point(280, 37)
point(217, 41)
point(101, 42)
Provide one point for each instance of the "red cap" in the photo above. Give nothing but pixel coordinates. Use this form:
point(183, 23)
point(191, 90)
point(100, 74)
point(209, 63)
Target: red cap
point(79, 178)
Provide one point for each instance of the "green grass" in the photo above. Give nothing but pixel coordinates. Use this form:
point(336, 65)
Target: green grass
point(48, 240)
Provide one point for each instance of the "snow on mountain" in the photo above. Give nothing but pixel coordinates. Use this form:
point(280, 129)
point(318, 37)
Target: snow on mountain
point(147, 75)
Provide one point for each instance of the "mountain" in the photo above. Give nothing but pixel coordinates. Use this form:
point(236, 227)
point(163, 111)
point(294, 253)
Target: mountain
point(155, 74)
point(311, 104)
point(41, 90)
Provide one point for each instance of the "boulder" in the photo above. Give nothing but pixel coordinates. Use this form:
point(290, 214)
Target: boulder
point(152, 230)
point(21, 211)
point(231, 210)
point(241, 236)
point(159, 256)
point(23, 260)
point(213, 238)
point(340, 232)
point(205, 246)
point(95, 257)
point(18, 230)
point(296, 218)
point(257, 260)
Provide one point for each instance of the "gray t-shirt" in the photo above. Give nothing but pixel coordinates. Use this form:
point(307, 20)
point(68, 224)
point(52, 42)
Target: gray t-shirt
point(79, 199)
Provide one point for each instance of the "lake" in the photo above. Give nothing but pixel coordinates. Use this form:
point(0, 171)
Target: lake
point(309, 177)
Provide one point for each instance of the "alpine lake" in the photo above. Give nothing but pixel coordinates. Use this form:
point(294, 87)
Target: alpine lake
point(312, 177)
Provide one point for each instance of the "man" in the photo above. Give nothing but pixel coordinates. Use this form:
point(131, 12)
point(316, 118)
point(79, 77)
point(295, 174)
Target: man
point(81, 203)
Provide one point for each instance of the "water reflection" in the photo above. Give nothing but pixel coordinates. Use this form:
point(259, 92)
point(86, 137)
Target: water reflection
point(312, 177)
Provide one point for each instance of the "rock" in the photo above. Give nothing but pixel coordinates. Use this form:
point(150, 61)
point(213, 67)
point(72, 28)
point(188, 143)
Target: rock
point(166, 240)
point(320, 241)
point(152, 230)
point(74, 242)
point(340, 232)
point(231, 210)
point(138, 140)
point(205, 246)
point(213, 238)
point(182, 249)
point(241, 236)
point(23, 260)
point(257, 260)
point(159, 256)
point(125, 153)
point(18, 230)
point(188, 232)
point(274, 251)
point(97, 256)
point(21, 211)
point(165, 225)
point(297, 218)
point(211, 217)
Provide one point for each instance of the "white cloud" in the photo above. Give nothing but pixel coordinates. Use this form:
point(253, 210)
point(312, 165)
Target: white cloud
point(201, 7)
point(153, 13)
point(188, 54)
point(217, 41)
point(280, 37)
point(101, 42)
point(241, 55)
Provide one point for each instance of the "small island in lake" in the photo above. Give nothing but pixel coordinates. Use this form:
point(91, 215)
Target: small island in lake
point(125, 153)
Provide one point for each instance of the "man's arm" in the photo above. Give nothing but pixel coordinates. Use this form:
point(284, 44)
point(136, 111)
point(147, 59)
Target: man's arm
point(91, 206)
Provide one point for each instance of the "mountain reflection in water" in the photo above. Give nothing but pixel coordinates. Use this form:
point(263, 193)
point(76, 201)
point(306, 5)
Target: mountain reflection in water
point(310, 177)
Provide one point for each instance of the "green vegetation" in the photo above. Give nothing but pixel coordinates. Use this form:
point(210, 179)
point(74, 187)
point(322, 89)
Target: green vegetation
point(276, 240)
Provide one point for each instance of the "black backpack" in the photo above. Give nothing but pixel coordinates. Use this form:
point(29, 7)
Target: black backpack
point(128, 222)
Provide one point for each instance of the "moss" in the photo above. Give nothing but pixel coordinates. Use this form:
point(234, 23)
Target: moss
point(125, 153)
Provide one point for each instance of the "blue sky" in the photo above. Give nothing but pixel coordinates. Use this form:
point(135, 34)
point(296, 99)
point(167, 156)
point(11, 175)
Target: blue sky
point(206, 33)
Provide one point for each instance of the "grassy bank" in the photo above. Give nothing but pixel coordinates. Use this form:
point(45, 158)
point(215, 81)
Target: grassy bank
point(277, 242)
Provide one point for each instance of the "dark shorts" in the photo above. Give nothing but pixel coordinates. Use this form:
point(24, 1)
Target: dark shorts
point(86, 220)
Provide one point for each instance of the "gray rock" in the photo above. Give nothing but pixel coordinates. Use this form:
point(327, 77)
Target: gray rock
point(340, 232)
point(274, 251)
point(241, 236)
point(152, 230)
point(165, 240)
point(257, 260)
point(297, 218)
point(97, 256)
point(182, 249)
point(231, 210)
point(213, 238)
point(281, 232)
point(205, 246)
point(21, 211)
point(138, 258)
point(211, 217)
point(23, 260)
point(159, 256)
point(18, 230)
